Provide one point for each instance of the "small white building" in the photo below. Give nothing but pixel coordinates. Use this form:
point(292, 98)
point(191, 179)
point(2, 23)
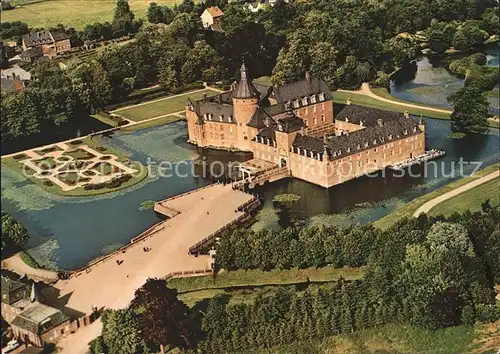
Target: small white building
point(210, 18)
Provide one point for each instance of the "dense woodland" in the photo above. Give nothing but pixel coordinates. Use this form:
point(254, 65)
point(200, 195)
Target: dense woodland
point(344, 42)
point(14, 235)
point(425, 272)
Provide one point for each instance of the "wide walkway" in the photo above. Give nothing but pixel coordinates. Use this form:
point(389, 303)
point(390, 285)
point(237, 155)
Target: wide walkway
point(112, 286)
point(366, 91)
point(425, 208)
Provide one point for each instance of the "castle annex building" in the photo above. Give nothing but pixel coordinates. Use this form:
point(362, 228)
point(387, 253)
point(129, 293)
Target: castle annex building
point(292, 128)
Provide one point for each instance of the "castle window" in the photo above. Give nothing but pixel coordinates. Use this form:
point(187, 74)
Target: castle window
point(304, 101)
point(366, 144)
point(405, 132)
point(314, 109)
point(359, 146)
point(322, 106)
point(315, 120)
point(375, 150)
point(205, 116)
point(349, 150)
point(374, 141)
point(221, 118)
point(313, 99)
point(322, 117)
point(296, 104)
point(321, 96)
point(231, 129)
point(306, 111)
point(222, 136)
point(280, 127)
point(390, 137)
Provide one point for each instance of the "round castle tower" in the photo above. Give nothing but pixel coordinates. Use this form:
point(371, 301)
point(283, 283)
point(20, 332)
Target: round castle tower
point(245, 98)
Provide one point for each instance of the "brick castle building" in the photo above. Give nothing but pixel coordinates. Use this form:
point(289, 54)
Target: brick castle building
point(293, 128)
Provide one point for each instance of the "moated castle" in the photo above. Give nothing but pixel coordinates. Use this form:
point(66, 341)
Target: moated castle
point(293, 128)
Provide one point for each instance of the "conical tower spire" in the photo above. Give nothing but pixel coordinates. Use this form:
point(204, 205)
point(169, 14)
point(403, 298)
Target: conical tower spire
point(245, 88)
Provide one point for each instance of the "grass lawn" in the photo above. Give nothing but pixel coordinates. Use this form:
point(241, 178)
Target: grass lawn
point(398, 339)
point(79, 154)
point(362, 100)
point(79, 192)
point(263, 80)
point(243, 286)
point(160, 107)
point(470, 199)
point(408, 209)
point(73, 13)
point(151, 123)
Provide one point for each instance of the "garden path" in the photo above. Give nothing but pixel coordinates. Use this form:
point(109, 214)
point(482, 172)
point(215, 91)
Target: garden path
point(425, 208)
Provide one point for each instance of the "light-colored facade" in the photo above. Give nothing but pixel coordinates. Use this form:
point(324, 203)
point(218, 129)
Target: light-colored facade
point(211, 18)
point(301, 132)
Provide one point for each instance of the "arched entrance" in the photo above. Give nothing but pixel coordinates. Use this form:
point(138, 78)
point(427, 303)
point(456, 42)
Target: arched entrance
point(283, 162)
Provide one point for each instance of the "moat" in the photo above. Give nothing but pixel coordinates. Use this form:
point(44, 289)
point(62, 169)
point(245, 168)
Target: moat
point(68, 232)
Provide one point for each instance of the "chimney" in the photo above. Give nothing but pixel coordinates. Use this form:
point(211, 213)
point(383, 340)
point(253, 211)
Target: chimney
point(308, 76)
point(380, 122)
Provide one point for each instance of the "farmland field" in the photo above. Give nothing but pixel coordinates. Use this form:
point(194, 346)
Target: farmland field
point(73, 13)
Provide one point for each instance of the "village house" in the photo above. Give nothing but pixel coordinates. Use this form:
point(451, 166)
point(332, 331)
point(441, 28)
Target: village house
point(211, 18)
point(300, 133)
point(14, 79)
point(30, 320)
point(51, 42)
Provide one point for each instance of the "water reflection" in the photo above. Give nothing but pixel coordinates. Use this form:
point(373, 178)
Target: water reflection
point(431, 84)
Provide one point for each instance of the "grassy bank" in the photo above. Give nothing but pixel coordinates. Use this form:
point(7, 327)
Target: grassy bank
point(469, 200)
point(243, 286)
point(30, 261)
point(408, 209)
point(107, 120)
point(79, 192)
point(398, 339)
point(73, 13)
point(151, 123)
point(161, 107)
point(356, 98)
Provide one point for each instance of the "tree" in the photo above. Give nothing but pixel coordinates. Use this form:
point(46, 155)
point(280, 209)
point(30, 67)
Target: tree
point(470, 110)
point(14, 235)
point(123, 19)
point(468, 36)
point(405, 48)
point(162, 316)
point(445, 236)
point(121, 332)
point(155, 13)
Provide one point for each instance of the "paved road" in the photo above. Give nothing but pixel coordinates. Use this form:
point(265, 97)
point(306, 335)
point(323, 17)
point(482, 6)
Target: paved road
point(366, 91)
point(425, 208)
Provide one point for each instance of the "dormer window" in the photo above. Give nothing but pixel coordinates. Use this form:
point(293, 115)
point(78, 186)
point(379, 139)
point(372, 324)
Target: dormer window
point(340, 152)
point(288, 104)
point(359, 146)
point(280, 127)
point(205, 116)
point(366, 144)
point(374, 141)
point(230, 119)
point(348, 149)
point(390, 136)
point(414, 129)
point(221, 118)
point(347, 120)
point(382, 139)
point(210, 117)
point(304, 101)
point(313, 99)
point(296, 104)
point(405, 132)
point(321, 96)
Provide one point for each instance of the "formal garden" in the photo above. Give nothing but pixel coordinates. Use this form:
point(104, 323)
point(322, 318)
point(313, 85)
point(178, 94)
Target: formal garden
point(78, 168)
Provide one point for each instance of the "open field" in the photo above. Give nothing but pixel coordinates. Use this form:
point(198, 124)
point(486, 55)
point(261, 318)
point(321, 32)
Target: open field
point(260, 278)
point(398, 339)
point(243, 286)
point(362, 100)
point(73, 13)
point(408, 209)
point(470, 199)
point(160, 107)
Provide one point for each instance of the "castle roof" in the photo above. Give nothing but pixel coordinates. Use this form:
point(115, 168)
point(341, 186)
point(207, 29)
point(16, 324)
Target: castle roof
point(215, 11)
point(214, 109)
point(245, 87)
point(381, 133)
point(14, 290)
point(302, 88)
point(369, 116)
point(287, 123)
